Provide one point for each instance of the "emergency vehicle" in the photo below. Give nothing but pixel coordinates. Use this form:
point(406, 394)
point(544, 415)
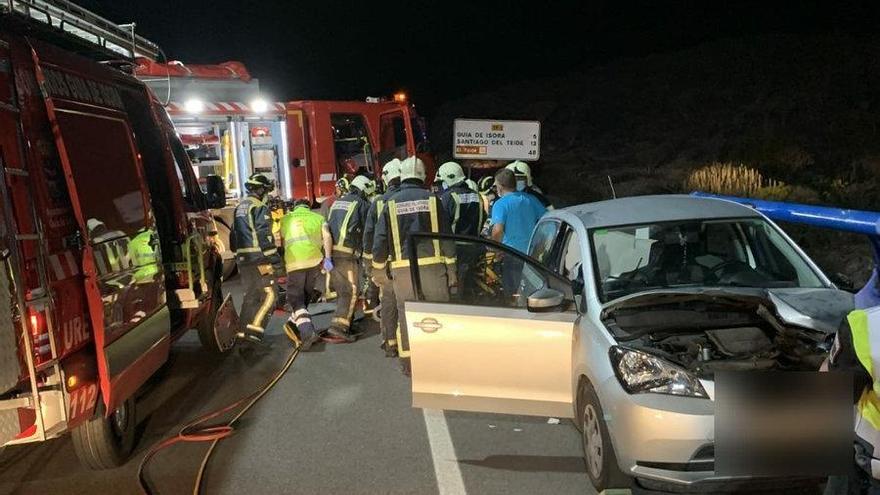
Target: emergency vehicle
point(232, 130)
point(106, 236)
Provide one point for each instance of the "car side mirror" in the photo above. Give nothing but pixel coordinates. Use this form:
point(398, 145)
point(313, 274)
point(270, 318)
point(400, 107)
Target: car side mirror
point(545, 300)
point(215, 191)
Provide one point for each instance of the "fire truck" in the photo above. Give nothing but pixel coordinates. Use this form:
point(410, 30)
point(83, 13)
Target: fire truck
point(106, 237)
point(233, 130)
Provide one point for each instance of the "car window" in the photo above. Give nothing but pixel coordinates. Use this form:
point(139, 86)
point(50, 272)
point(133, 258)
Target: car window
point(571, 257)
point(694, 253)
point(541, 246)
point(489, 274)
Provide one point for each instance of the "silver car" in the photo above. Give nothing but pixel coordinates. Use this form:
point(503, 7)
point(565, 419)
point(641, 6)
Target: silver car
point(618, 318)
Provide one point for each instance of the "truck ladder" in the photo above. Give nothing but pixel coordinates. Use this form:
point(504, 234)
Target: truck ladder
point(47, 399)
point(114, 39)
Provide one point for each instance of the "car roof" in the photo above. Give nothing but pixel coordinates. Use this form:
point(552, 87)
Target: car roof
point(660, 208)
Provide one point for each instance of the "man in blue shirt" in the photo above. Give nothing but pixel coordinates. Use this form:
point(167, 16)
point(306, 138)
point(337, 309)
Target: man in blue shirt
point(514, 216)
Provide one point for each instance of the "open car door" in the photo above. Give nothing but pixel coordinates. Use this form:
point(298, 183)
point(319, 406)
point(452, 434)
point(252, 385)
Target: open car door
point(123, 275)
point(503, 340)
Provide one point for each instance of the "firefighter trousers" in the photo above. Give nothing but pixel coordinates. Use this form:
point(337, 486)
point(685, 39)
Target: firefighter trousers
point(388, 313)
point(260, 295)
point(300, 285)
point(345, 278)
point(435, 288)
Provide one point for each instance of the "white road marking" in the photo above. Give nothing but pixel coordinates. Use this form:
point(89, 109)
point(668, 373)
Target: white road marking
point(446, 469)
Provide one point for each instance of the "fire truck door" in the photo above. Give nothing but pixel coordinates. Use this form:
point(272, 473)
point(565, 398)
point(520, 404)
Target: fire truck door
point(393, 142)
point(121, 260)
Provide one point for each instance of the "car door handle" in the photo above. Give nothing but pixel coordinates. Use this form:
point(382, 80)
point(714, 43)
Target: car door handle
point(428, 325)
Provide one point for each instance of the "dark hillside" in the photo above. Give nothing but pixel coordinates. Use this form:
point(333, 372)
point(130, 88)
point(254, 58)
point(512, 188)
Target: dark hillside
point(802, 111)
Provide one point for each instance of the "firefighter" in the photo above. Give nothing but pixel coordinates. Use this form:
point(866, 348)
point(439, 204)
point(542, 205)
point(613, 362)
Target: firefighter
point(486, 188)
point(857, 348)
point(256, 256)
point(305, 233)
point(472, 185)
point(143, 256)
point(410, 210)
point(464, 208)
point(341, 190)
point(524, 183)
point(347, 218)
point(381, 277)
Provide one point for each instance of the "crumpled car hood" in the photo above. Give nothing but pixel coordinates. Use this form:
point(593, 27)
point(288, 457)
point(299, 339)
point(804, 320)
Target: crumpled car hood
point(820, 309)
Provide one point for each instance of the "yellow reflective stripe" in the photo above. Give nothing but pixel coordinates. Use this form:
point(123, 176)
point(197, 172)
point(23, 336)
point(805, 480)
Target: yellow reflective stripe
point(380, 205)
point(249, 250)
point(858, 324)
point(368, 256)
point(395, 229)
point(256, 242)
point(270, 252)
point(457, 200)
point(431, 260)
point(379, 266)
point(869, 407)
point(435, 224)
point(343, 249)
point(267, 305)
point(301, 264)
point(343, 229)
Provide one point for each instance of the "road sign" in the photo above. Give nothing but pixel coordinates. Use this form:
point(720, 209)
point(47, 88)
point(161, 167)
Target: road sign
point(497, 139)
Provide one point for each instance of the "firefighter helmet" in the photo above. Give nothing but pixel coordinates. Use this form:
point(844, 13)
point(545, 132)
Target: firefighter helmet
point(522, 171)
point(391, 171)
point(342, 186)
point(412, 168)
point(450, 174)
point(361, 183)
point(486, 184)
point(256, 181)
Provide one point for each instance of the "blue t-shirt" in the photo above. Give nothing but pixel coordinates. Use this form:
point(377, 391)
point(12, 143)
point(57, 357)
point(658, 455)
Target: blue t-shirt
point(519, 212)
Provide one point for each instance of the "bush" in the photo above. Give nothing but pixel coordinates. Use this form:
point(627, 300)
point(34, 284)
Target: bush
point(730, 179)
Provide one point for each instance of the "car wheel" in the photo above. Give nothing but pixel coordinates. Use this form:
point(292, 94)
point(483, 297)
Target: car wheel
point(106, 442)
point(206, 325)
point(601, 463)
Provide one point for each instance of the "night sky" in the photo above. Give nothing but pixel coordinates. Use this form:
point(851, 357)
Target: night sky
point(443, 49)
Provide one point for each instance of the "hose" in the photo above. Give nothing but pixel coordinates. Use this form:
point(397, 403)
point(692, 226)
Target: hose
point(196, 431)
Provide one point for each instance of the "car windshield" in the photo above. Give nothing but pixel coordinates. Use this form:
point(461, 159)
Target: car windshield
point(696, 253)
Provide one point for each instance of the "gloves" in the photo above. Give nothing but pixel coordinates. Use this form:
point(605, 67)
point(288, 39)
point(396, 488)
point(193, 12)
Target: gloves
point(328, 264)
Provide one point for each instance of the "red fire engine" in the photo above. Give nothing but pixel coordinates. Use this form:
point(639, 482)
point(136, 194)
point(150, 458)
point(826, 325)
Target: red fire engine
point(106, 237)
point(306, 146)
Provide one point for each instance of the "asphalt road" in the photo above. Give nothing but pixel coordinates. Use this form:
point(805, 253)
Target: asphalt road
point(340, 421)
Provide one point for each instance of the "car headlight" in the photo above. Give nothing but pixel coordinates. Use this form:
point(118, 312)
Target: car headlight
point(640, 372)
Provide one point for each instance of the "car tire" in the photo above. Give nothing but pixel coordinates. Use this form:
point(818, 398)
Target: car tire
point(206, 325)
point(599, 458)
point(106, 442)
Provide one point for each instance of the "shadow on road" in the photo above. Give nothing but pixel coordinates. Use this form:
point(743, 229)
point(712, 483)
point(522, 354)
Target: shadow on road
point(530, 463)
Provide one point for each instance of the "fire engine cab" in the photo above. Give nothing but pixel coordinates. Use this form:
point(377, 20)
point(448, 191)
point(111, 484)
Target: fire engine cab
point(106, 238)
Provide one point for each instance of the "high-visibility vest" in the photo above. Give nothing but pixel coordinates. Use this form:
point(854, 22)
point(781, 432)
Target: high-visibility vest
point(301, 230)
point(144, 257)
point(865, 327)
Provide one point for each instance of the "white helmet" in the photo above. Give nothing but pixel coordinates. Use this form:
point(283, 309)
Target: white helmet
point(391, 171)
point(521, 170)
point(412, 168)
point(361, 183)
point(450, 174)
point(371, 187)
point(472, 185)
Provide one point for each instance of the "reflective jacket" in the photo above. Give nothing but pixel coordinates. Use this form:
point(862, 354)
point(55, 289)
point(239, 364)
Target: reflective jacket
point(347, 218)
point(464, 208)
point(143, 257)
point(301, 230)
point(412, 209)
point(373, 214)
point(252, 229)
point(857, 349)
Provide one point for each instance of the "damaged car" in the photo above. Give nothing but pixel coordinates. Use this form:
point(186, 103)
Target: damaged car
point(622, 314)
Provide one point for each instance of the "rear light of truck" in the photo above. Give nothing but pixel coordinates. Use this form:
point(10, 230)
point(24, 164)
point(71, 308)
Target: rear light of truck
point(39, 337)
